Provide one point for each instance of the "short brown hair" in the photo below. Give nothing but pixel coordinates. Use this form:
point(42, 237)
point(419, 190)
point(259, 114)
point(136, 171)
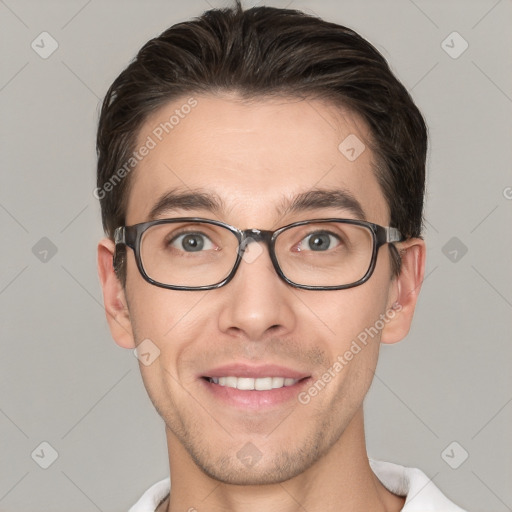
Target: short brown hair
point(259, 52)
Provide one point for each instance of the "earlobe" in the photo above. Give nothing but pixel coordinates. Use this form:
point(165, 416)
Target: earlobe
point(405, 291)
point(114, 299)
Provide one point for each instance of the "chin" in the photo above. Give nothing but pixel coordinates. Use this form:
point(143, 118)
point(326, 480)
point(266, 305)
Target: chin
point(234, 472)
point(251, 466)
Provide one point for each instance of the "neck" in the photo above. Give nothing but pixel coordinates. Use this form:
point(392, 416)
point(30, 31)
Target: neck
point(340, 481)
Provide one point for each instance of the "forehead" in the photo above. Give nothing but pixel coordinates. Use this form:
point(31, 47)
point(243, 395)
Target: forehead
point(254, 156)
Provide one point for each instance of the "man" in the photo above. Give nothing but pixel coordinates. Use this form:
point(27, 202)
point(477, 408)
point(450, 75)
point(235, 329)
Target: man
point(261, 177)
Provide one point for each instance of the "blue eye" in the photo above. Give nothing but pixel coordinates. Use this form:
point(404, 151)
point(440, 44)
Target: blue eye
point(191, 242)
point(318, 241)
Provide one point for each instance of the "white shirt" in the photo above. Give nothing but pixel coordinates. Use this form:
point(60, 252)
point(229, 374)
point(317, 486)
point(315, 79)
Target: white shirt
point(421, 493)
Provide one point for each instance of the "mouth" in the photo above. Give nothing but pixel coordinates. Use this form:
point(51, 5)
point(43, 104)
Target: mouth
point(254, 388)
point(249, 383)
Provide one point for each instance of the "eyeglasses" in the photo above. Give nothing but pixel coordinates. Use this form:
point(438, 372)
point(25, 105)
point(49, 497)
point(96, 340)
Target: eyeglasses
point(192, 253)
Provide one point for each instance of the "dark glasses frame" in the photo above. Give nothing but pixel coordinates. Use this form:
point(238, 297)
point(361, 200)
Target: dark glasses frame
point(131, 236)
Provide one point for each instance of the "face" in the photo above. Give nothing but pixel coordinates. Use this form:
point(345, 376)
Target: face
point(256, 158)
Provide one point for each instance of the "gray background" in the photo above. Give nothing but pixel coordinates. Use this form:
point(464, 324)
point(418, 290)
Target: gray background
point(63, 380)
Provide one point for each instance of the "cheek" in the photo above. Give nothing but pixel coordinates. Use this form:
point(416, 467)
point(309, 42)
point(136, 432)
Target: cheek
point(347, 313)
point(353, 328)
point(167, 324)
point(158, 313)
point(170, 319)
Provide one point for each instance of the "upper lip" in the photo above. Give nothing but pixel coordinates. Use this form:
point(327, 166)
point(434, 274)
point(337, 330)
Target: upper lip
point(245, 370)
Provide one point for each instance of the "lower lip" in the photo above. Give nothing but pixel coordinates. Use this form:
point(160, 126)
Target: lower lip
point(253, 399)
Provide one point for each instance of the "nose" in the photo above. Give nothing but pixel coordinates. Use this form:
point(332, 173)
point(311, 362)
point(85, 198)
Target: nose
point(256, 303)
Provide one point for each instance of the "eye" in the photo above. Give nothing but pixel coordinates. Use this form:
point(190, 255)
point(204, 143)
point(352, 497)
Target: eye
point(318, 241)
point(191, 242)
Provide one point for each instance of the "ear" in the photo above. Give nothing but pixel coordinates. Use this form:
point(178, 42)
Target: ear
point(405, 290)
point(114, 299)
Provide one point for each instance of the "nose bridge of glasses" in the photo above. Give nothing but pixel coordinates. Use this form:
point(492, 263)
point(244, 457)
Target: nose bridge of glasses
point(255, 235)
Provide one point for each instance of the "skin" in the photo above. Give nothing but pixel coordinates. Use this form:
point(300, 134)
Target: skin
point(313, 457)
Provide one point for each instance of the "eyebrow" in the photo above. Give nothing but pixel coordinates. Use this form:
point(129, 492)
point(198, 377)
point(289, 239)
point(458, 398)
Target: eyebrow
point(196, 199)
point(193, 200)
point(325, 198)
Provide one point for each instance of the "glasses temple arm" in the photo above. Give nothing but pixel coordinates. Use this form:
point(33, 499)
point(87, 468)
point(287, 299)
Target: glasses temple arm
point(393, 235)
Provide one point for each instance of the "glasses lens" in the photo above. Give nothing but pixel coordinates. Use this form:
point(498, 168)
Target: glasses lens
point(325, 253)
point(188, 253)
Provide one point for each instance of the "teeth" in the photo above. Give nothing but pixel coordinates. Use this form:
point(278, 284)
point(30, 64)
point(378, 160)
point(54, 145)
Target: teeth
point(248, 383)
point(278, 382)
